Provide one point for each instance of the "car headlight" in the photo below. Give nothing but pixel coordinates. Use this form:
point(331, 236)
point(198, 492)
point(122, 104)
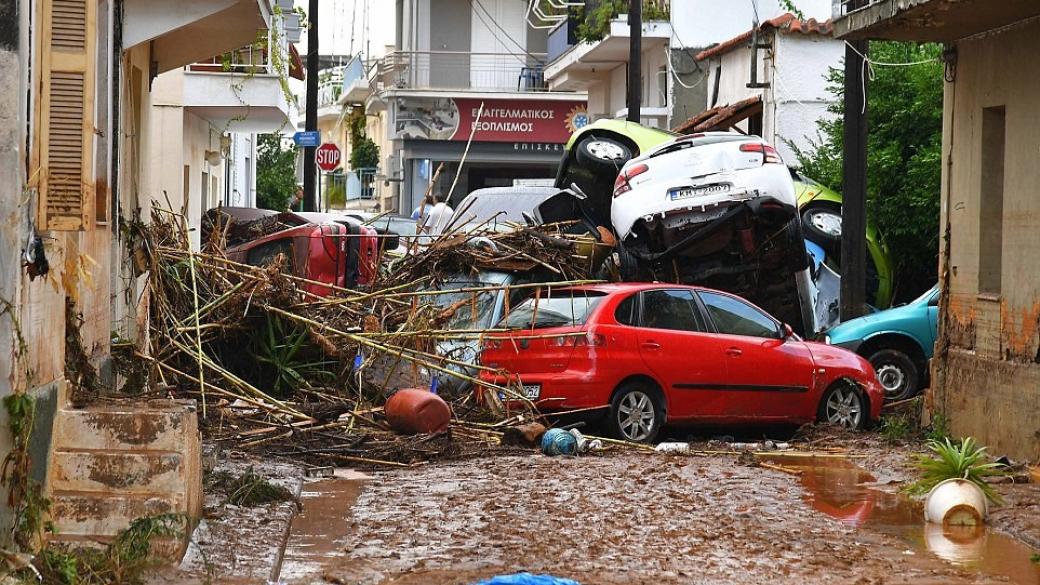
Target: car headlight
point(827, 339)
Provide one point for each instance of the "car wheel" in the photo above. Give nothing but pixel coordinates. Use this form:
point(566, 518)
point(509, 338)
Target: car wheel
point(896, 372)
point(636, 413)
point(628, 266)
point(822, 224)
point(602, 154)
point(844, 405)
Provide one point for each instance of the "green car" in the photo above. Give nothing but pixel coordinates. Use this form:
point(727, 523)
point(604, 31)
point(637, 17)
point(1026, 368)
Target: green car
point(597, 152)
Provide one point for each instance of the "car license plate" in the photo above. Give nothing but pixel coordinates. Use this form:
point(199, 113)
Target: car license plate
point(691, 192)
point(528, 391)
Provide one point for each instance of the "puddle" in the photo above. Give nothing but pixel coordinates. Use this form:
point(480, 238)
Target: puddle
point(319, 531)
point(842, 490)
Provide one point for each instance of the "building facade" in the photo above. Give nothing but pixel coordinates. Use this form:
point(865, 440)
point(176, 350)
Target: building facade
point(424, 98)
point(76, 116)
point(778, 90)
point(986, 369)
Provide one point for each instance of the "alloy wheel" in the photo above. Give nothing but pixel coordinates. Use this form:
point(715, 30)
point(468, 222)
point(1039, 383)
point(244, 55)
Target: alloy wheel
point(605, 150)
point(844, 407)
point(827, 222)
point(892, 379)
point(636, 416)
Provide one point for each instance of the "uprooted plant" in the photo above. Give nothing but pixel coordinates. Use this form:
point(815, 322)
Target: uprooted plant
point(963, 459)
point(248, 489)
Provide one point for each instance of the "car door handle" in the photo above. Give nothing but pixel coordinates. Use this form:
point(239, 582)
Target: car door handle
point(651, 345)
point(734, 351)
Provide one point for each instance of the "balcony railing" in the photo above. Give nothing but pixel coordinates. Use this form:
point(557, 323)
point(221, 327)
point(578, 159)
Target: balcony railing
point(330, 86)
point(247, 60)
point(463, 70)
point(845, 7)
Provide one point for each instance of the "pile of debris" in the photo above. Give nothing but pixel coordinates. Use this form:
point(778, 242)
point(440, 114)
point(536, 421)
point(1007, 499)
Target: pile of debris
point(280, 369)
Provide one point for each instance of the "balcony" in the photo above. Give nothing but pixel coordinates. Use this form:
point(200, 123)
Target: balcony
point(586, 62)
point(927, 20)
point(239, 91)
point(486, 72)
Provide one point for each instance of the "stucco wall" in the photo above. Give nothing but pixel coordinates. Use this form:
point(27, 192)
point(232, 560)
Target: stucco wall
point(799, 90)
point(1000, 329)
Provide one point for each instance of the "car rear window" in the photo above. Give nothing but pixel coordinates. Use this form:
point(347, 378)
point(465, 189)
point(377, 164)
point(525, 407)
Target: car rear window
point(680, 144)
point(559, 309)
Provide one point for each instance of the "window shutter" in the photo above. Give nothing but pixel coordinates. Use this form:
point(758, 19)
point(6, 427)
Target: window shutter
point(65, 129)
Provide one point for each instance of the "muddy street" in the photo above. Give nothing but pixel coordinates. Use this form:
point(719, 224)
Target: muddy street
point(631, 518)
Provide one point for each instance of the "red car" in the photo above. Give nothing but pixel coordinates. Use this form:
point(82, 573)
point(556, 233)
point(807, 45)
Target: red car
point(663, 353)
point(321, 247)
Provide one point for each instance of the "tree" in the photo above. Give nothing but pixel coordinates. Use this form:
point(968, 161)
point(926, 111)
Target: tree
point(904, 152)
point(275, 172)
point(364, 153)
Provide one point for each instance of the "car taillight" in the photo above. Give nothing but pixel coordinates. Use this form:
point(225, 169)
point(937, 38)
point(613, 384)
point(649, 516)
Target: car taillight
point(587, 340)
point(769, 154)
point(621, 183)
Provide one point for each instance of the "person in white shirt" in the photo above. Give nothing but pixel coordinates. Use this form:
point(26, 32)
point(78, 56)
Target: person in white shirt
point(438, 218)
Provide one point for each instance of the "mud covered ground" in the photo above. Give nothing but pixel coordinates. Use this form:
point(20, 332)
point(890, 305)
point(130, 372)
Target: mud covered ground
point(637, 518)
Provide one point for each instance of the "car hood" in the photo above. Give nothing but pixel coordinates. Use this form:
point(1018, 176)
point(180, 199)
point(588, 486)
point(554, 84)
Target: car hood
point(825, 356)
point(862, 326)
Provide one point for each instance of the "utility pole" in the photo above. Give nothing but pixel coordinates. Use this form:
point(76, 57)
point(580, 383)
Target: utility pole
point(635, 52)
point(310, 170)
point(854, 202)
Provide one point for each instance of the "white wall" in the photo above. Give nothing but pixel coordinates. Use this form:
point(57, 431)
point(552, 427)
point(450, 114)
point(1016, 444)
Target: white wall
point(800, 88)
point(699, 23)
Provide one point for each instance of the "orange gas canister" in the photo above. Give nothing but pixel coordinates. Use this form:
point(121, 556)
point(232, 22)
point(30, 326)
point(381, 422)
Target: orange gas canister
point(416, 410)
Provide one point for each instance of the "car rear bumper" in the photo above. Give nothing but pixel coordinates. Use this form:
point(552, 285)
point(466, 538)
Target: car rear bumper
point(567, 390)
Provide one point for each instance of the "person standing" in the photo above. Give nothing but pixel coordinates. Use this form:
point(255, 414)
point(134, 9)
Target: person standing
point(439, 218)
point(422, 211)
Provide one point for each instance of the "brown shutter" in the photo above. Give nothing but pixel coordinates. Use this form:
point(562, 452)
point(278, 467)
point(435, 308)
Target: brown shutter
point(65, 128)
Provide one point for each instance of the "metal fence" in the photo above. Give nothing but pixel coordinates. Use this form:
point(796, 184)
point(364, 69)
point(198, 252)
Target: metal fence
point(463, 70)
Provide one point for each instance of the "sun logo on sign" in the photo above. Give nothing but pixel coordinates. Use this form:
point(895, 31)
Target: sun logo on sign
point(577, 119)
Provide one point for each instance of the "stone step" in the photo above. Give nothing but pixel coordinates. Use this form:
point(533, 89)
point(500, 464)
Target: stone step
point(152, 426)
point(150, 472)
point(105, 514)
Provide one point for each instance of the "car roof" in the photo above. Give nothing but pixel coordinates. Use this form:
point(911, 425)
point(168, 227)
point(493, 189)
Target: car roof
point(483, 204)
point(623, 287)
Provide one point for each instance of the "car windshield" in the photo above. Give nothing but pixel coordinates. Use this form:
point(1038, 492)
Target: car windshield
point(924, 298)
point(560, 309)
point(472, 309)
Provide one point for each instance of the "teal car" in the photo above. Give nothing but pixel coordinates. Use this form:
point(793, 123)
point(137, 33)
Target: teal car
point(897, 342)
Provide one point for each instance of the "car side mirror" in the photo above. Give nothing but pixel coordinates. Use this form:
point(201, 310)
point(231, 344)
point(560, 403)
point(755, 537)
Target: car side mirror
point(578, 193)
point(787, 331)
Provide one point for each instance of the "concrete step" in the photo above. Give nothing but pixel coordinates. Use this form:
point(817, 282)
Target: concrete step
point(112, 464)
point(95, 514)
point(147, 472)
point(154, 425)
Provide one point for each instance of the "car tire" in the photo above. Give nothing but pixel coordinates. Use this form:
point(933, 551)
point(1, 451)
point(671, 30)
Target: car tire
point(636, 413)
point(845, 405)
point(896, 372)
point(822, 224)
point(628, 265)
point(602, 155)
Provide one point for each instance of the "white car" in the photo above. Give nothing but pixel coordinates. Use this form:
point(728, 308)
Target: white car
point(694, 178)
point(716, 209)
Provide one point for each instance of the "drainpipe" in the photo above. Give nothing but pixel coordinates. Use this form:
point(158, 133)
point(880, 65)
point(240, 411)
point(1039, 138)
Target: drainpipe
point(635, 55)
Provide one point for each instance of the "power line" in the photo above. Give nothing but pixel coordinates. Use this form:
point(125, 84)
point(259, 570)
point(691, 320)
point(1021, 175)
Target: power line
point(492, 31)
point(522, 48)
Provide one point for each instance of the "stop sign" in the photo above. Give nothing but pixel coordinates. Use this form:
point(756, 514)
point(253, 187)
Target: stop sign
point(327, 157)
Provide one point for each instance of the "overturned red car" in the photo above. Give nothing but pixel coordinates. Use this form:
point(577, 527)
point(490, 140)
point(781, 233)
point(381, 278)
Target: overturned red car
point(651, 354)
point(323, 248)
